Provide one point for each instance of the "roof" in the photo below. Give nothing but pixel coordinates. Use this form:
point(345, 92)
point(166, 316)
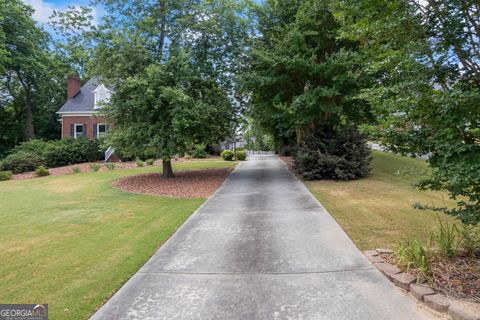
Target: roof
point(84, 100)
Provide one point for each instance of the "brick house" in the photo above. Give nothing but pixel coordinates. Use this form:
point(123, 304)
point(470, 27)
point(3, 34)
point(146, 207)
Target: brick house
point(79, 115)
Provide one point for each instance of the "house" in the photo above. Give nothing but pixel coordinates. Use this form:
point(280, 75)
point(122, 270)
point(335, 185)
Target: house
point(79, 115)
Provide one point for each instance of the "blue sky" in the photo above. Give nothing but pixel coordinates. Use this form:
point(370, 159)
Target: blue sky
point(44, 8)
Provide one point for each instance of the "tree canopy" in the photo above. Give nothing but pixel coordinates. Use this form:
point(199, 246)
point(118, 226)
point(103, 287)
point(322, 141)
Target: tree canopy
point(409, 68)
point(426, 60)
point(172, 65)
point(184, 72)
point(301, 75)
point(31, 78)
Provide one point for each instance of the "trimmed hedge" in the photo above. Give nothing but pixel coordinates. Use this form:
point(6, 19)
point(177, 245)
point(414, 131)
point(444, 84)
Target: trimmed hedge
point(241, 155)
point(227, 155)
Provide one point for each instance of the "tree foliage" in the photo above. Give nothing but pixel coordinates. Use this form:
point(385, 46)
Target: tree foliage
point(32, 78)
point(172, 65)
point(301, 75)
point(341, 154)
point(168, 108)
point(426, 59)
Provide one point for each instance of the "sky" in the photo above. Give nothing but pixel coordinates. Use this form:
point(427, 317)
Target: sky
point(45, 8)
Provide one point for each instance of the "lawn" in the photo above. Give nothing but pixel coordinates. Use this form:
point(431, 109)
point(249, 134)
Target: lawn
point(377, 211)
point(71, 241)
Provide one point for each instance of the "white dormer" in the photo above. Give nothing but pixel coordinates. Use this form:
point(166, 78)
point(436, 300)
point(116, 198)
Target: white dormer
point(102, 94)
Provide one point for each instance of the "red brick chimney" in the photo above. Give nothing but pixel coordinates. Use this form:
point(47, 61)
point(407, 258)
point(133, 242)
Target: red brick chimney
point(73, 85)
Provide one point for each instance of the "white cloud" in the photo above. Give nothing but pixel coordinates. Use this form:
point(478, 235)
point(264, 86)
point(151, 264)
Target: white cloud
point(44, 10)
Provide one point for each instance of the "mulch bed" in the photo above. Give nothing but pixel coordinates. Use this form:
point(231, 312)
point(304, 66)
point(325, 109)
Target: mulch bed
point(186, 184)
point(85, 167)
point(458, 277)
point(288, 161)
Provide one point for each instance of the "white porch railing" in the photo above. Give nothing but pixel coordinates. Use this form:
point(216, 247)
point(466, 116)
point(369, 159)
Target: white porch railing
point(108, 153)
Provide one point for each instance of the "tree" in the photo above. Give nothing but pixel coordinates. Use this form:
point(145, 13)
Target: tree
point(426, 61)
point(301, 76)
point(74, 43)
point(172, 65)
point(256, 138)
point(23, 42)
point(32, 78)
point(168, 108)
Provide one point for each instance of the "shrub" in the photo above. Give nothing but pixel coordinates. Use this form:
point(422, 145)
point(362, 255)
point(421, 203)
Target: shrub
point(139, 163)
point(227, 155)
point(31, 154)
point(110, 166)
point(5, 175)
point(22, 162)
point(241, 155)
point(35, 146)
point(58, 154)
point(340, 154)
point(94, 167)
point(72, 151)
point(41, 171)
point(198, 151)
point(149, 162)
point(470, 239)
point(412, 254)
point(91, 149)
point(76, 170)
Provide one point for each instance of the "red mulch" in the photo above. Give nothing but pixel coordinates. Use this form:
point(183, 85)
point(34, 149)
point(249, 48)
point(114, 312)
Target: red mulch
point(85, 167)
point(186, 184)
point(288, 160)
point(458, 277)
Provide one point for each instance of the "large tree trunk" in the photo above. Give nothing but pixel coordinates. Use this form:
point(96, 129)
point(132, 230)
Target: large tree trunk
point(167, 168)
point(29, 130)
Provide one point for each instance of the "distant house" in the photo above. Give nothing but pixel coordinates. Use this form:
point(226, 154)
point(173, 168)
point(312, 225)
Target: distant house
point(79, 115)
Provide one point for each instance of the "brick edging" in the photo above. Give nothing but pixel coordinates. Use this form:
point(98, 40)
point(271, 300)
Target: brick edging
point(421, 293)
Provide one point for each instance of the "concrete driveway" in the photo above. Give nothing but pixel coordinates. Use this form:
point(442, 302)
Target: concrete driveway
point(261, 247)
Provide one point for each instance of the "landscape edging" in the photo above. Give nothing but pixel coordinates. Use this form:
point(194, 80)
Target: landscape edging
point(434, 300)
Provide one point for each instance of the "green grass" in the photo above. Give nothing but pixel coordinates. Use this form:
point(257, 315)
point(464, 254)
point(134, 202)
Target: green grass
point(71, 241)
point(377, 211)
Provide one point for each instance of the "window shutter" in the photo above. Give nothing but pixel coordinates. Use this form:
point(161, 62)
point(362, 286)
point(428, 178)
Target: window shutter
point(72, 130)
point(84, 129)
point(106, 128)
point(95, 134)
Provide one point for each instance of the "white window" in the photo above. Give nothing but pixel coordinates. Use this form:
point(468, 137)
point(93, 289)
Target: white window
point(102, 95)
point(79, 131)
point(102, 130)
